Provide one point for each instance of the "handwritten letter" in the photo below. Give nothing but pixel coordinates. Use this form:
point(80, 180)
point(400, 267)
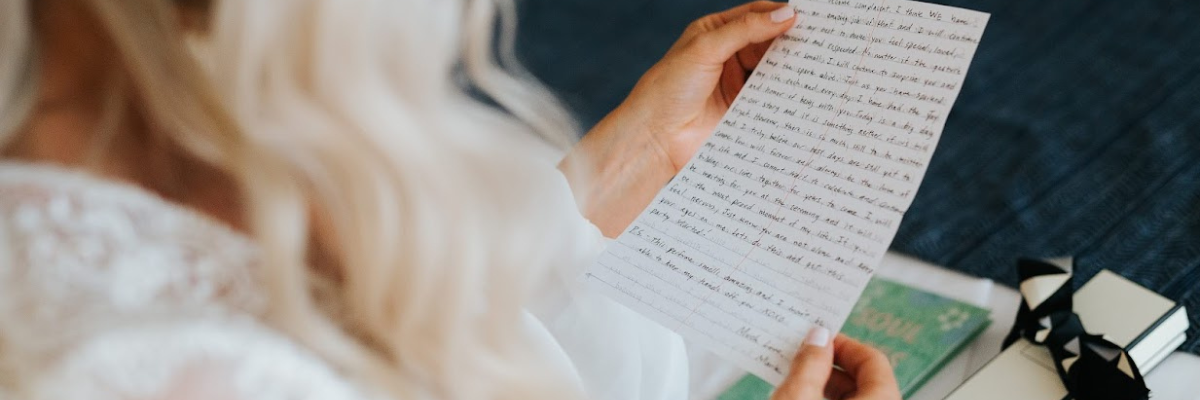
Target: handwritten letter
point(781, 218)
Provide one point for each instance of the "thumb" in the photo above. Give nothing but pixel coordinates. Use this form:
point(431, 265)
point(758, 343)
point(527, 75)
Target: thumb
point(810, 369)
point(717, 46)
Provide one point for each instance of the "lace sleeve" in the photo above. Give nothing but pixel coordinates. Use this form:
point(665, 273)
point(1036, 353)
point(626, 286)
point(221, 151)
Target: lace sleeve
point(209, 358)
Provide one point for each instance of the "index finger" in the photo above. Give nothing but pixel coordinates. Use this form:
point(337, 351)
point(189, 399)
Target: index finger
point(870, 368)
point(714, 21)
point(749, 57)
point(736, 12)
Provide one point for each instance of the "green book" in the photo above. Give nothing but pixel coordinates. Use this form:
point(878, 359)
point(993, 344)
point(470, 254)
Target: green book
point(919, 331)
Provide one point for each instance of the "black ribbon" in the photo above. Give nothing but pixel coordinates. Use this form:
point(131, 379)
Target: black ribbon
point(1091, 367)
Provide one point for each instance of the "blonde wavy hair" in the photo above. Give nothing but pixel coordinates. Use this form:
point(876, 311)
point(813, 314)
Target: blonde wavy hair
point(357, 136)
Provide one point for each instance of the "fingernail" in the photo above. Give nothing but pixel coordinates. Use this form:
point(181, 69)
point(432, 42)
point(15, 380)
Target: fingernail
point(817, 336)
point(782, 14)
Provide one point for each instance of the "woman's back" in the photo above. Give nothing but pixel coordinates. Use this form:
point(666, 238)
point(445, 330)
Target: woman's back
point(341, 143)
point(111, 292)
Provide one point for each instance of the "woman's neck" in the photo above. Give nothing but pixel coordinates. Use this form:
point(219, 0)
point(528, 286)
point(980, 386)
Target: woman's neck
point(77, 121)
point(76, 70)
point(129, 151)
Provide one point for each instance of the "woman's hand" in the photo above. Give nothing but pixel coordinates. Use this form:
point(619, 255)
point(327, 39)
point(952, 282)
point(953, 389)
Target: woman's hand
point(633, 152)
point(683, 97)
point(864, 375)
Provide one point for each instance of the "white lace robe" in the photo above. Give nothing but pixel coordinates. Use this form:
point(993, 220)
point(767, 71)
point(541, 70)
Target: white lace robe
point(109, 292)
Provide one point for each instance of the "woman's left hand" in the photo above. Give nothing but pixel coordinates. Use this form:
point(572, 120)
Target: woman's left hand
point(633, 152)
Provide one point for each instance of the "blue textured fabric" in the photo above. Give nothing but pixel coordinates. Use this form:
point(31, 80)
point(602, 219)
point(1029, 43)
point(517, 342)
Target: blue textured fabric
point(1077, 131)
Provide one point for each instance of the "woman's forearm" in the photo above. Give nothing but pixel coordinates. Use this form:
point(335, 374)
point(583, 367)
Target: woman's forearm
point(615, 171)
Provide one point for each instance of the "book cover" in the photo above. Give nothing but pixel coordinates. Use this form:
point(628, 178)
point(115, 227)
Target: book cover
point(919, 331)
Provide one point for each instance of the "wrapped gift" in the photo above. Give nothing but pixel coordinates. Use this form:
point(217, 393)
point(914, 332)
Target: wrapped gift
point(1088, 345)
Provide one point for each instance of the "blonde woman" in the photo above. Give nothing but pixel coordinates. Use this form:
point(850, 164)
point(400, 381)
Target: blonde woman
point(286, 199)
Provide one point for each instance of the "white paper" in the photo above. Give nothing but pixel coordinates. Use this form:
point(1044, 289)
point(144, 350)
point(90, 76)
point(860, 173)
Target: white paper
point(780, 219)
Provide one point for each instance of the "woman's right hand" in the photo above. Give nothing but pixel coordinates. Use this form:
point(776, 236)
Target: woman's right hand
point(865, 373)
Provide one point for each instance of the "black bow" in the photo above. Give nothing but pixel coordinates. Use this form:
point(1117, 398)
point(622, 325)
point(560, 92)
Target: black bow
point(1091, 367)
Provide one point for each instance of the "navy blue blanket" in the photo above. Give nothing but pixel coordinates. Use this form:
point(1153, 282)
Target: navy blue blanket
point(1077, 131)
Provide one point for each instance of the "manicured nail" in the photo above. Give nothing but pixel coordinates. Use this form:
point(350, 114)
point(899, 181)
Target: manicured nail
point(817, 336)
point(782, 14)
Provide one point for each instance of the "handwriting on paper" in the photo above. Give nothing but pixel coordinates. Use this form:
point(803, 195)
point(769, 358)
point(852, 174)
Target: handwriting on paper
point(780, 219)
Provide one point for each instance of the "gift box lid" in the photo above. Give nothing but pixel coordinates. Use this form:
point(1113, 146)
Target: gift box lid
point(1147, 324)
